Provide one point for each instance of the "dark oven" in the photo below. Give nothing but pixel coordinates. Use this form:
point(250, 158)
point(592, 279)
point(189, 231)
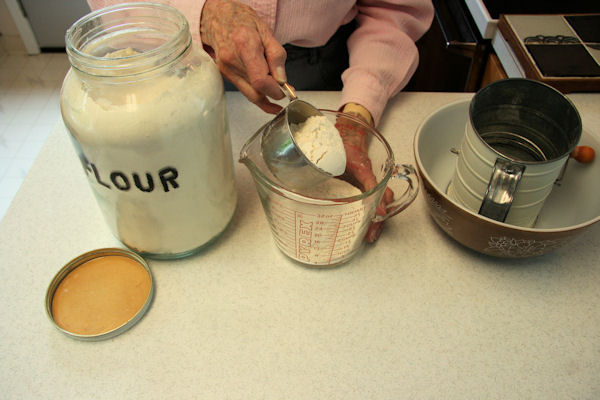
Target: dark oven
point(452, 53)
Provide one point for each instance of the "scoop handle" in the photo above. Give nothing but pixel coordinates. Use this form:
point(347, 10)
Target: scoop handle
point(288, 90)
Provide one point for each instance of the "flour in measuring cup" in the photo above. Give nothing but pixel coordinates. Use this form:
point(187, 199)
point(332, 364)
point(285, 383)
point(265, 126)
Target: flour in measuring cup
point(331, 189)
point(320, 141)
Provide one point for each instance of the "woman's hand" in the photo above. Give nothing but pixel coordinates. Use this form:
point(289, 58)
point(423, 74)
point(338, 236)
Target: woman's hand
point(358, 165)
point(245, 51)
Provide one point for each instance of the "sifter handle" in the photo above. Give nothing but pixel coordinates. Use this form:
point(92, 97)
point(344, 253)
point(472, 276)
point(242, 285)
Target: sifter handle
point(501, 190)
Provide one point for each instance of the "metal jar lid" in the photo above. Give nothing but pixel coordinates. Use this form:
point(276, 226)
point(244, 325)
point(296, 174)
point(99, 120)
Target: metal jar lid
point(88, 258)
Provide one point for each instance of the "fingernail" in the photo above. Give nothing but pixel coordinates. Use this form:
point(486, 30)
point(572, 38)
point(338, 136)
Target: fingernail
point(280, 75)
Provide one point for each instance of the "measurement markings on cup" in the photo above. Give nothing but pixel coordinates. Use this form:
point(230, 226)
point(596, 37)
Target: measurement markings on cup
point(315, 236)
point(283, 226)
point(319, 238)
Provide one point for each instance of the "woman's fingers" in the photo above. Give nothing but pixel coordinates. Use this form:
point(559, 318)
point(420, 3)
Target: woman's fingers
point(245, 50)
point(253, 95)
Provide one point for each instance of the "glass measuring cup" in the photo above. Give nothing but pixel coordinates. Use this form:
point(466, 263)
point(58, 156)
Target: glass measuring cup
point(326, 232)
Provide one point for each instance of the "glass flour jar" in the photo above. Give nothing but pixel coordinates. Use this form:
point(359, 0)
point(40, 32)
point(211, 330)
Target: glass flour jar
point(146, 112)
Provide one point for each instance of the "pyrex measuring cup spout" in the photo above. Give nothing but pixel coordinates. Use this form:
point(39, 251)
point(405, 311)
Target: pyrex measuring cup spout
point(250, 154)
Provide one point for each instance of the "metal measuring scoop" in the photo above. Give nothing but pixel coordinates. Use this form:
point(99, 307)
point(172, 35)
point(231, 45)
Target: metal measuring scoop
point(280, 150)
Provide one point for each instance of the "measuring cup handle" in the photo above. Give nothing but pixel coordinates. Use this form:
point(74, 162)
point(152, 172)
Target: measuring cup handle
point(406, 173)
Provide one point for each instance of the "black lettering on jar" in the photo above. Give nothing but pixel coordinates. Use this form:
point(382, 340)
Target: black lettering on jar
point(138, 183)
point(168, 175)
point(97, 175)
point(122, 183)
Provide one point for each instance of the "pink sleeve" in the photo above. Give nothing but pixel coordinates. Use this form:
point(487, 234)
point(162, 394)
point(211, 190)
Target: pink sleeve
point(383, 54)
point(190, 9)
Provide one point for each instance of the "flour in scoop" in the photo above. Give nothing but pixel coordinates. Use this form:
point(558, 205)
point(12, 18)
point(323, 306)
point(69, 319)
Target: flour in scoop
point(321, 143)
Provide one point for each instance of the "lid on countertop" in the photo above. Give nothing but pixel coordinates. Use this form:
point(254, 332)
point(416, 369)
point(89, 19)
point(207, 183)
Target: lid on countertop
point(100, 294)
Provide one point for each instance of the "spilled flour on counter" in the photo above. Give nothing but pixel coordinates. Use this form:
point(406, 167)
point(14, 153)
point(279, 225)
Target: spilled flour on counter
point(321, 143)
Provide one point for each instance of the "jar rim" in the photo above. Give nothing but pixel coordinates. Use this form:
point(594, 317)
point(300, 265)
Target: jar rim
point(76, 40)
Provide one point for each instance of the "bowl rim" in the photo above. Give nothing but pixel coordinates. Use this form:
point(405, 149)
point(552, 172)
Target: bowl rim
point(425, 175)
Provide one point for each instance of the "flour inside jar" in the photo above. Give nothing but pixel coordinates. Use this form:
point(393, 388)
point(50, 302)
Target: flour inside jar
point(157, 152)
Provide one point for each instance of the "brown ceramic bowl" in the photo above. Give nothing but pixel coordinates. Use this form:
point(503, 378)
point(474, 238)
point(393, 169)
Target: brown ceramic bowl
point(573, 206)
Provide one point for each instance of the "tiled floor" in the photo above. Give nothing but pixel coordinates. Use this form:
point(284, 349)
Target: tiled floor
point(29, 108)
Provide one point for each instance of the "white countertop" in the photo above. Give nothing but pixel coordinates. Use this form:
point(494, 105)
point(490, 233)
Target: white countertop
point(415, 316)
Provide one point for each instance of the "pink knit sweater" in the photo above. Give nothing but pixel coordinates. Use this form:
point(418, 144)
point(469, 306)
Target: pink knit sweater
point(383, 55)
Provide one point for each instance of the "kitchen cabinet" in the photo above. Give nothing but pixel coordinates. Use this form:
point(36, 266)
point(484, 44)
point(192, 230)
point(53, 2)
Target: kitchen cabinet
point(493, 71)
